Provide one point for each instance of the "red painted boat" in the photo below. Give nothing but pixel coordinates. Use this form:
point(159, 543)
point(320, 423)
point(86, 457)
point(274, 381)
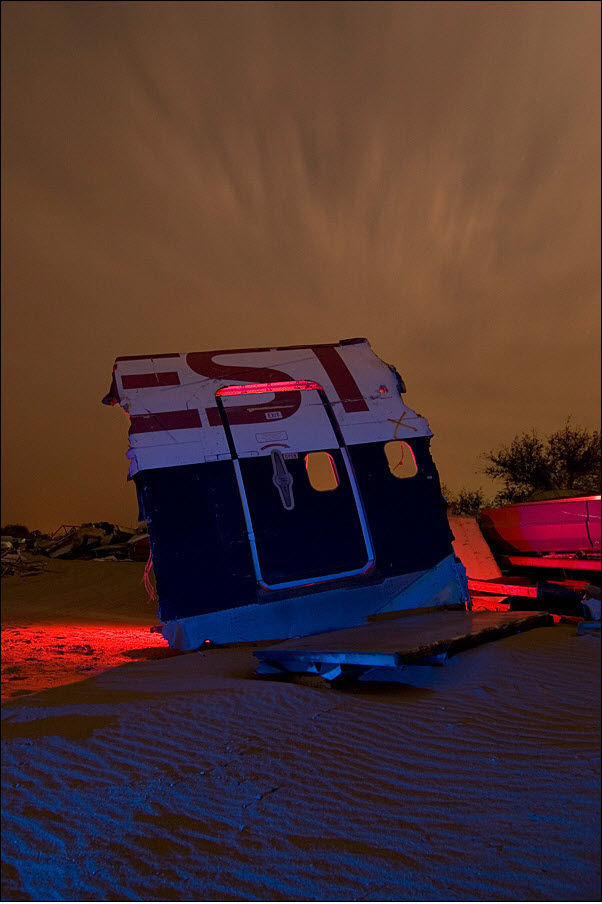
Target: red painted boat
point(553, 526)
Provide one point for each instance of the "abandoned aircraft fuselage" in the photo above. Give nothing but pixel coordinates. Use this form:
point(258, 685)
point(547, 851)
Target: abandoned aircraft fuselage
point(287, 491)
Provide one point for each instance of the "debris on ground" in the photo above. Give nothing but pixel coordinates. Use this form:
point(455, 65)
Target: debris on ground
point(94, 540)
point(20, 563)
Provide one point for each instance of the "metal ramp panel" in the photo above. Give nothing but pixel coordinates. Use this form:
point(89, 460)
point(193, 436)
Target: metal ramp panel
point(428, 638)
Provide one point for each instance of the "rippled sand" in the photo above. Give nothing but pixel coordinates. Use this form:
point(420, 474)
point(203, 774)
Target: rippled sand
point(188, 778)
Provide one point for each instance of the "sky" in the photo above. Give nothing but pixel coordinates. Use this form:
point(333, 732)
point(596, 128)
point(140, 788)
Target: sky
point(191, 176)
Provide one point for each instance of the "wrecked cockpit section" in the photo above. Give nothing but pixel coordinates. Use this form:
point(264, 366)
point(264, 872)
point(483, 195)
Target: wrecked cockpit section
point(286, 490)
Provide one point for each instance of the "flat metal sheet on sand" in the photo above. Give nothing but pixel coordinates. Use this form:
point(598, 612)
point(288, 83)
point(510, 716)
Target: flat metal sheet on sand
point(424, 639)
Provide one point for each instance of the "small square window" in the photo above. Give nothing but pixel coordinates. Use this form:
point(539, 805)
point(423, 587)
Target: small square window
point(400, 458)
point(321, 471)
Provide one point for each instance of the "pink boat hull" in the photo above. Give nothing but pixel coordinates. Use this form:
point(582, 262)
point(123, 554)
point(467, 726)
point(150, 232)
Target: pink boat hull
point(552, 526)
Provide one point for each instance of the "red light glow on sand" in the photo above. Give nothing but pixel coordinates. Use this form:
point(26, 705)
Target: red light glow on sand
point(40, 656)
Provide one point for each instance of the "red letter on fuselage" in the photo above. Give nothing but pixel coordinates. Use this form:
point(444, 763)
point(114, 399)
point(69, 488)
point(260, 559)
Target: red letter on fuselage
point(341, 377)
point(287, 403)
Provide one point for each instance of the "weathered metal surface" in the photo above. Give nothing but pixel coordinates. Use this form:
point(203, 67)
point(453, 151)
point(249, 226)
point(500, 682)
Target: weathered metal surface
point(323, 611)
point(427, 639)
point(473, 550)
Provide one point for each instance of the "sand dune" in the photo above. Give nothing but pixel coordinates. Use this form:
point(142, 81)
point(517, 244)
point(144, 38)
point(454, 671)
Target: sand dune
point(188, 778)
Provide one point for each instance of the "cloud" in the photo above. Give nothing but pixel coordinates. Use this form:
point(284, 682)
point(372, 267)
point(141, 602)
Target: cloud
point(198, 175)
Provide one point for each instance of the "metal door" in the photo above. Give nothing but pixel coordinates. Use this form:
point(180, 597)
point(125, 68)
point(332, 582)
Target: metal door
point(298, 534)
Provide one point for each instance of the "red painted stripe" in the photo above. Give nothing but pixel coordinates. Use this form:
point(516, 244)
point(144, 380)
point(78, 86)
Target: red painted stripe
point(165, 420)
point(565, 563)
point(143, 381)
point(502, 589)
point(342, 379)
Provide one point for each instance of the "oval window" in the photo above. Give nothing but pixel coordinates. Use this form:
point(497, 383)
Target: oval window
point(321, 471)
point(400, 458)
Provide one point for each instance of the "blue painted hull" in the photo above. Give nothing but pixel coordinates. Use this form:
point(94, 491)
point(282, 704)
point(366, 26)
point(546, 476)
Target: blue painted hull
point(327, 610)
